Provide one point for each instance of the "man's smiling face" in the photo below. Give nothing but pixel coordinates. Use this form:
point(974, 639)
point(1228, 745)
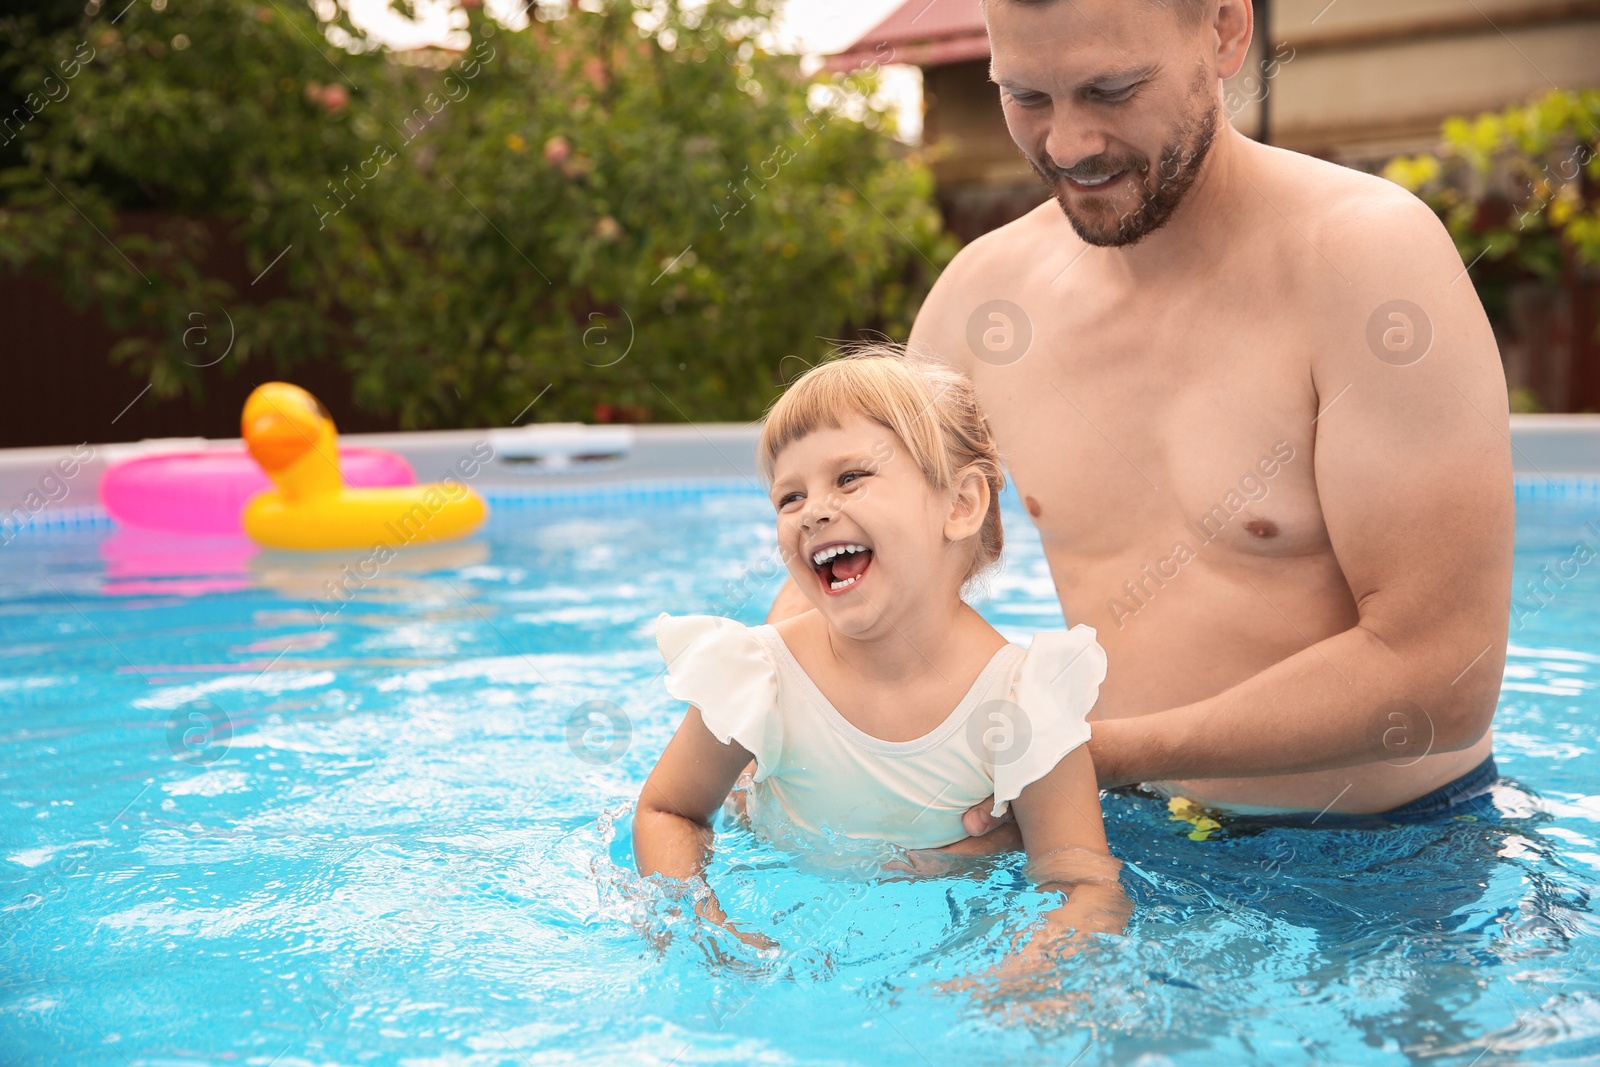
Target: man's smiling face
point(1114, 103)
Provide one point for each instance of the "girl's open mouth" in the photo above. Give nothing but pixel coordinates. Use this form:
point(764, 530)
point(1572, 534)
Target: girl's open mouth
point(840, 565)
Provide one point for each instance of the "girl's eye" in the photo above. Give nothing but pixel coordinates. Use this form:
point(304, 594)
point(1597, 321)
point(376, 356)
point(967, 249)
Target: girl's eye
point(787, 499)
point(850, 476)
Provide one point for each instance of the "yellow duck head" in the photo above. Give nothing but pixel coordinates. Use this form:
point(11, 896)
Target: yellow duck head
point(293, 438)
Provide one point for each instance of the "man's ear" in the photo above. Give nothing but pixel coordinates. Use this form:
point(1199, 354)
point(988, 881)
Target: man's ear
point(968, 507)
point(1234, 23)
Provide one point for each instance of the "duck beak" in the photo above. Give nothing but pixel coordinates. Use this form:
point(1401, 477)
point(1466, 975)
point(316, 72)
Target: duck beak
point(282, 423)
point(276, 441)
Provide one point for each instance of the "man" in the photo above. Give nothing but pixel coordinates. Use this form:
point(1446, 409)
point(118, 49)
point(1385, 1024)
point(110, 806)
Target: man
point(1255, 409)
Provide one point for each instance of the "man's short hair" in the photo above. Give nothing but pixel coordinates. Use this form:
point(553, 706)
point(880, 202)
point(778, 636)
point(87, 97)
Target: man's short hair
point(1189, 12)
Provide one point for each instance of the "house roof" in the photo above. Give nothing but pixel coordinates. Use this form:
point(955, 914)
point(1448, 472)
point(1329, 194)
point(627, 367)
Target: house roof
point(925, 33)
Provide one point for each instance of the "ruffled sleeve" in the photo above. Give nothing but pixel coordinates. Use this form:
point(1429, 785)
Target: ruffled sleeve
point(720, 667)
point(1053, 690)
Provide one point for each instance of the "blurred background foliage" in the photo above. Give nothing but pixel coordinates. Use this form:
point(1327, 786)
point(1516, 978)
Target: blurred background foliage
point(630, 210)
point(632, 204)
point(1519, 190)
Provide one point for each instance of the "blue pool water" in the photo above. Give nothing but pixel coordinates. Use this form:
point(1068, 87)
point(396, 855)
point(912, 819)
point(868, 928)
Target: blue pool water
point(260, 811)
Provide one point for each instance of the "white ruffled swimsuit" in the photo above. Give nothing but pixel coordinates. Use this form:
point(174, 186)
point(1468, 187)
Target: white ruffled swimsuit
point(817, 773)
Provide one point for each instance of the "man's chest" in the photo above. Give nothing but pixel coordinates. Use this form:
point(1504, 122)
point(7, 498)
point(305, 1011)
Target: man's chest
point(1146, 426)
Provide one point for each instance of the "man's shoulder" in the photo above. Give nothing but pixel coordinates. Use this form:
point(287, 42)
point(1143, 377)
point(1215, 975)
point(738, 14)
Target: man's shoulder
point(1369, 269)
point(1036, 232)
point(1344, 212)
point(984, 269)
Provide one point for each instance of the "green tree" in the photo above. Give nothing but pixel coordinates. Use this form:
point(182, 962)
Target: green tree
point(635, 205)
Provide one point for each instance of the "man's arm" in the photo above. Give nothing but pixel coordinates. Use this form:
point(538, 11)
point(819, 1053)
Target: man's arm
point(1413, 471)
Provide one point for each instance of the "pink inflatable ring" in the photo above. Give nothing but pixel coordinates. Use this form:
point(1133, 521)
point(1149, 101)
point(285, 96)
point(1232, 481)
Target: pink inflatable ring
point(202, 494)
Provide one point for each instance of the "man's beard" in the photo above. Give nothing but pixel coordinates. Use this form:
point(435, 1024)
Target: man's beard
point(1160, 192)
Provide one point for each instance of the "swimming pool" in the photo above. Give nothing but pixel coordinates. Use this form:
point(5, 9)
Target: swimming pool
point(262, 811)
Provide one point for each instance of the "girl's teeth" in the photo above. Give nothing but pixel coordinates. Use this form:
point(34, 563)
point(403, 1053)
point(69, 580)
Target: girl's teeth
point(846, 582)
point(828, 553)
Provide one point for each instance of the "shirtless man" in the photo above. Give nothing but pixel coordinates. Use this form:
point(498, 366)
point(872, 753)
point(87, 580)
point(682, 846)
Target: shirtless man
point(1255, 409)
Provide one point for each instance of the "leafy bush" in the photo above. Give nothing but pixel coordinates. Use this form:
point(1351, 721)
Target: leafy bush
point(1518, 188)
point(633, 204)
point(1518, 191)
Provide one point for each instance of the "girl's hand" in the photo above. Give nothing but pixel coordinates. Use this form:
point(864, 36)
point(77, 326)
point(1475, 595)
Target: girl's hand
point(1025, 986)
point(947, 862)
point(672, 831)
point(754, 938)
point(1059, 818)
point(711, 911)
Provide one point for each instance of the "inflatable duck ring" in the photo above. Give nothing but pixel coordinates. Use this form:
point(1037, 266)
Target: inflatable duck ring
point(291, 435)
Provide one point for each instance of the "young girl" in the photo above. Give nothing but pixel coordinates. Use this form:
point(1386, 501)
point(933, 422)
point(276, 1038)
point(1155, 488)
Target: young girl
point(892, 707)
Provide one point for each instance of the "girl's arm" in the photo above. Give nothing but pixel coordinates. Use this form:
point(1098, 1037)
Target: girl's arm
point(1065, 836)
point(672, 832)
point(1059, 816)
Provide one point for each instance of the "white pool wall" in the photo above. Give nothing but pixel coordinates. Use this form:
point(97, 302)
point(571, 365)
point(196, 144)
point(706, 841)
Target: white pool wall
point(544, 456)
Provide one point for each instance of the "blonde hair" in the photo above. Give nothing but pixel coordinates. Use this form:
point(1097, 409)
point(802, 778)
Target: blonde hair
point(932, 408)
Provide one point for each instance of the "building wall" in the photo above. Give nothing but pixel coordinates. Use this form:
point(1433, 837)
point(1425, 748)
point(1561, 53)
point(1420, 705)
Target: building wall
point(1373, 78)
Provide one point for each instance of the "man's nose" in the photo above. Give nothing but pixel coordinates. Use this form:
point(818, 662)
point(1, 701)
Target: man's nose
point(1072, 139)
